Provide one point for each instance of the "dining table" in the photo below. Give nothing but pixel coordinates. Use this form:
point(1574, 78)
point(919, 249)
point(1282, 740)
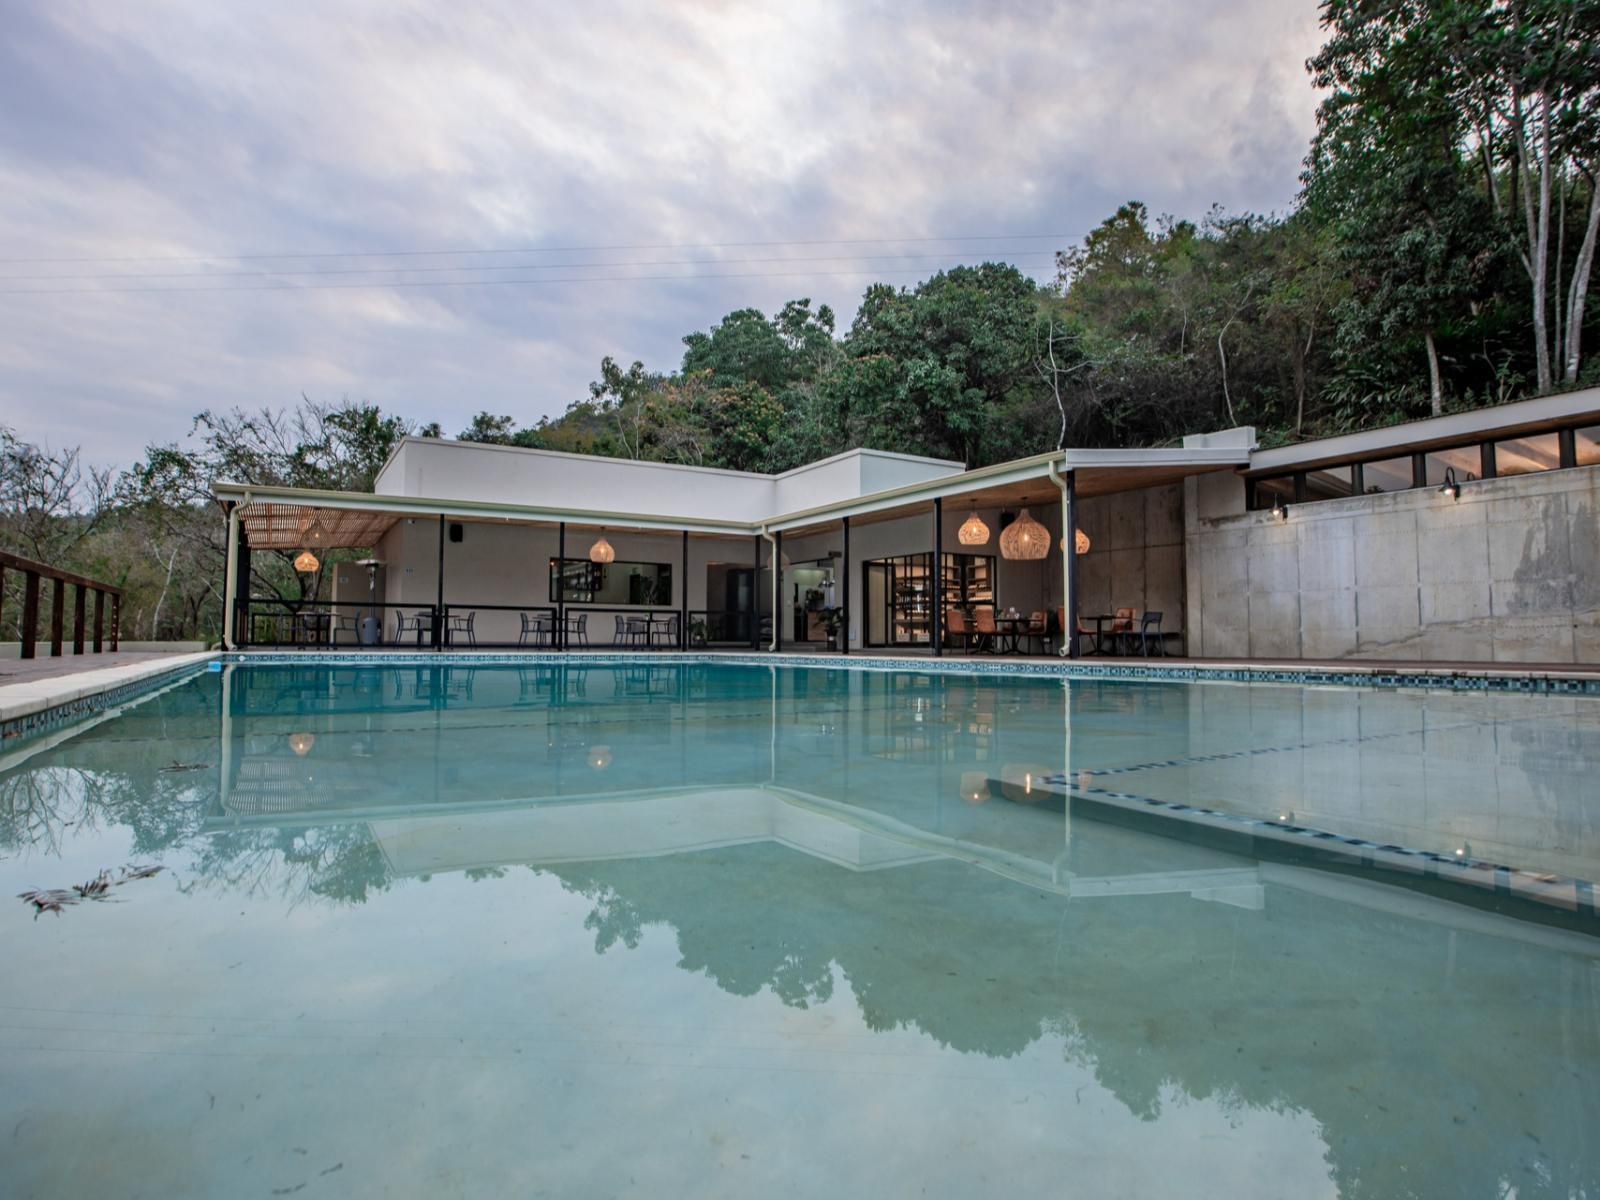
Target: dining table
point(1101, 620)
point(1009, 631)
point(310, 627)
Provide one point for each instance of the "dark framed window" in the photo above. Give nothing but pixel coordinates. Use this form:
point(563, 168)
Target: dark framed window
point(968, 580)
point(1330, 483)
point(1388, 475)
point(1586, 443)
point(1575, 446)
point(586, 582)
point(1271, 489)
point(1465, 461)
point(1527, 455)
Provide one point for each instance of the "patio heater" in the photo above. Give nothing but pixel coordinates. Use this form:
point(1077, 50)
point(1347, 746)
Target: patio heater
point(349, 587)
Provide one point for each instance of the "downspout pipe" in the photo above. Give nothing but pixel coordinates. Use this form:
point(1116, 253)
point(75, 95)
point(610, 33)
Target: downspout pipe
point(1069, 549)
point(772, 549)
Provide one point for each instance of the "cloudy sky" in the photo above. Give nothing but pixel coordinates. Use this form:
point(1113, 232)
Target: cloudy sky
point(444, 208)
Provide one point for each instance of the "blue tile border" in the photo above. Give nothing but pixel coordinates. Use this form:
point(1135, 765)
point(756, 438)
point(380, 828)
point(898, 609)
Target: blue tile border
point(14, 731)
point(1403, 863)
point(1489, 679)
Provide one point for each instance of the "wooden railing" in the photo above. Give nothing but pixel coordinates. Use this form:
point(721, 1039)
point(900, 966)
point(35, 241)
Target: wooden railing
point(33, 573)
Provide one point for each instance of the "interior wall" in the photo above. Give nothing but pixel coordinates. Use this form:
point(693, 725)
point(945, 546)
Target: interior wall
point(1510, 572)
point(1135, 559)
point(510, 564)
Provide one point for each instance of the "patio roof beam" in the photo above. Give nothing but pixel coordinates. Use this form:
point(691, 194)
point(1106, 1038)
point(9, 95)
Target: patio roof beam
point(1122, 469)
point(470, 510)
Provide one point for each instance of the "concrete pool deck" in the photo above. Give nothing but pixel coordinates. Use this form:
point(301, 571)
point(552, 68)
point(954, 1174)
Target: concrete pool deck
point(29, 686)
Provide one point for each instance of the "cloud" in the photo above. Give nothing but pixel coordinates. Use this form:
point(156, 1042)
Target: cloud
point(179, 130)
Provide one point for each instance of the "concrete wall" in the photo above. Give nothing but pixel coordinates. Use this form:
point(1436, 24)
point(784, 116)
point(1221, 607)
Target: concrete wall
point(1510, 572)
point(1135, 558)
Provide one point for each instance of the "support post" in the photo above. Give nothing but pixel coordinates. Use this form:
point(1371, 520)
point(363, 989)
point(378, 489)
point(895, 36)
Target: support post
point(79, 601)
point(755, 597)
point(683, 597)
point(116, 620)
point(844, 592)
point(99, 619)
point(30, 614)
point(560, 639)
point(936, 619)
point(241, 590)
point(230, 583)
point(1069, 565)
point(438, 608)
point(58, 605)
point(778, 604)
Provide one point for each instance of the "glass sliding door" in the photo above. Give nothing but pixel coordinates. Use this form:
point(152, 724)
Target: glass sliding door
point(899, 595)
point(899, 592)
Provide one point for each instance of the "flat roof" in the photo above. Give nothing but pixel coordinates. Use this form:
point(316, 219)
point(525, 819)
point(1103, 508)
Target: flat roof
point(539, 452)
point(276, 513)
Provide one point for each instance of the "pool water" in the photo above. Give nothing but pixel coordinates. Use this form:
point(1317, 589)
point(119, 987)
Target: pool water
point(718, 930)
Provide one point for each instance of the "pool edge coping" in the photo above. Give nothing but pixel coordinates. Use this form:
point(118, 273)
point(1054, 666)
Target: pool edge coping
point(1488, 677)
point(39, 705)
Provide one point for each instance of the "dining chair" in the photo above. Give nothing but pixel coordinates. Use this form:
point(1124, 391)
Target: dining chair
point(1081, 631)
point(955, 626)
point(1038, 627)
point(1122, 631)
point(1148, 633)
point(412, 624)
point(464, 623)
point(578, 629)
point(985, 631)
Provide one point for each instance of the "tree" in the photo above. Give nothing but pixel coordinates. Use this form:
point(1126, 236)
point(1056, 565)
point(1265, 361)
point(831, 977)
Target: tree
point(1386, 171)
point(963, 340)
point(622, 398)
point(1512, 84)
point(50, 502)
point(497, 431)
point(337, 447)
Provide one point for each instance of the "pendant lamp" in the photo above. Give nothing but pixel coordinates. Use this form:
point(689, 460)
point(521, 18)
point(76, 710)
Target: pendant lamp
point(1024, 538)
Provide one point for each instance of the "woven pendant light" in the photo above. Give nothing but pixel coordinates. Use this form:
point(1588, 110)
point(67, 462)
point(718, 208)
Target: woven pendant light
point(1024, 538)
point(601, 552)
point(306, 562)
point(973, 532)
point(1080, 542)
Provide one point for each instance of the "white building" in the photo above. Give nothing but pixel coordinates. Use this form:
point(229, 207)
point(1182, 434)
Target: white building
point(1471, 537)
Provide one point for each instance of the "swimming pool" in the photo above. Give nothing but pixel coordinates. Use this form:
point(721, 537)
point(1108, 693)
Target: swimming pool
point(694, 929)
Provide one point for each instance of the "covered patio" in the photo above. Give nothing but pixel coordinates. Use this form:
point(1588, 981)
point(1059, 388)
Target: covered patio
point(974, 562)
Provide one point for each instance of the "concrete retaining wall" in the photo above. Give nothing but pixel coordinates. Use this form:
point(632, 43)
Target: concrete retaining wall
point(1510, 572)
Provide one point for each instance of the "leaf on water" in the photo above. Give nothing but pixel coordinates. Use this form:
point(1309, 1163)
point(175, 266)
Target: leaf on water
point(99, 888)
